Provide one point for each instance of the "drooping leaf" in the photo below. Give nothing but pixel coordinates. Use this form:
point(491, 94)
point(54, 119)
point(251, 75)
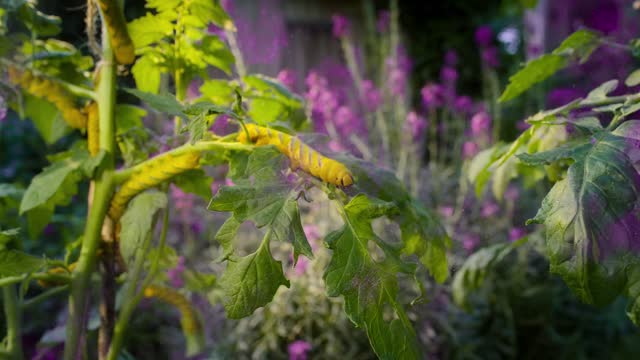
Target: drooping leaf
point(46, 118)
point(15, 263)
point(590, 218)
point(472, 274)
point(195, 182)
point(578, 45)
point(58, 182)
point(251, 281)
point(422, 233)
point(146, 72)
point(137, 220)
point(262, 195)
point(164, 103)
point(369, 288)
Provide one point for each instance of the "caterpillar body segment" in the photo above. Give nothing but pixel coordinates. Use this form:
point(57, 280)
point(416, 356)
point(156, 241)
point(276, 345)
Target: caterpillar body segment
point(188, 316)
point(155, 172)
point(58, 270)
point(93, 128)
point(116, 24)
point(42, 87)
point(300, 154)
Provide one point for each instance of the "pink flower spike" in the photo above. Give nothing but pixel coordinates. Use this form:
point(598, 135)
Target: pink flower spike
point(298, 350)
point(340, 25)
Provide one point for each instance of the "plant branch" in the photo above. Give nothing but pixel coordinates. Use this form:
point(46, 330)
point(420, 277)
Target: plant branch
point(12, 315)
point(131, 299)
point(122, 175)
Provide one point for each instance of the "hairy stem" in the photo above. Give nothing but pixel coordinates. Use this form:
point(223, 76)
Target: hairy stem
point(12, 315)
point(80, 289)
point(131, 299)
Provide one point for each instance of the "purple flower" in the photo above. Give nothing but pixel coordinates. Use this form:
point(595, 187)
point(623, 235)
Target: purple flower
point(301, 266)
point(340, 25)
point(384, 19)
point(311, 232)
point(372, 96)
point(175, 274)
point(489, 209)
point(512, 193)
point(490, 56)
point(298, 350)
point(287, 78)
point(470, 241)
point(480, 123)
point(469, 149)
point(432, 95)
point(446, 211)
point(451, 58)
point(398, 81)
point(484, 36)
point(196, 227)
point(181, 200)
point(449, 75)
point(517, 233)
point(415, 124)
point(3, 109)
point(220, 125)
point(561, 96)
point(463, 104)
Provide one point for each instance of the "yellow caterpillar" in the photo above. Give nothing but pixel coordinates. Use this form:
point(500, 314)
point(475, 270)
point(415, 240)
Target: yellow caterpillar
point(51, 91)
point(58, 270)
point(93, 128)
point(188, 317)
point(300, 154)
point(117, 28)
point(155, 172)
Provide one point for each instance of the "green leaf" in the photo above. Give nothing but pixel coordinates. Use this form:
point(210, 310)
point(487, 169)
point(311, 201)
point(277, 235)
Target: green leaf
point(633, 79)
point(262, 195)
point(46, 118)
point(571, 150)
point(56, 183)
point(369, 288)
point(217, 54)
point(137, 221)
point(590, 218)
point(473, 272)
point(128, 117)
point(15, 263)
point(36, 21)
point(578, 45)
point(195, 182)
point(535, 71)
point(251, 281)
point(164, 103)
point(422, 233)
point(226, 234)
point(149, 29)
point(218, 91)
point(6, 236)
point(146, 72)
point(602, 91)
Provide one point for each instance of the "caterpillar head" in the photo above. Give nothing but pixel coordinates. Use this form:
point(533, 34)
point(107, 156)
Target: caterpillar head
point(344, 179)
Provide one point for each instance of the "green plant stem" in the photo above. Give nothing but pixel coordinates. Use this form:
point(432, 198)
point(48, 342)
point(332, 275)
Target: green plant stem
point(39, 276)
point(130, 301)
point(12, 315)
point(44, 296)
point(123, 175)
point(241, 68)
point(104, 187)
point(80, 289)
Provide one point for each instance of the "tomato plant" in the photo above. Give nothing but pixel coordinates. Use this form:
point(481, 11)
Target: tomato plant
point(64, 90)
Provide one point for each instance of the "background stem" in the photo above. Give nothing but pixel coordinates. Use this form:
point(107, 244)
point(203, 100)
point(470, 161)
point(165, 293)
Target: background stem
point(13, 316)
point(80, 290)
